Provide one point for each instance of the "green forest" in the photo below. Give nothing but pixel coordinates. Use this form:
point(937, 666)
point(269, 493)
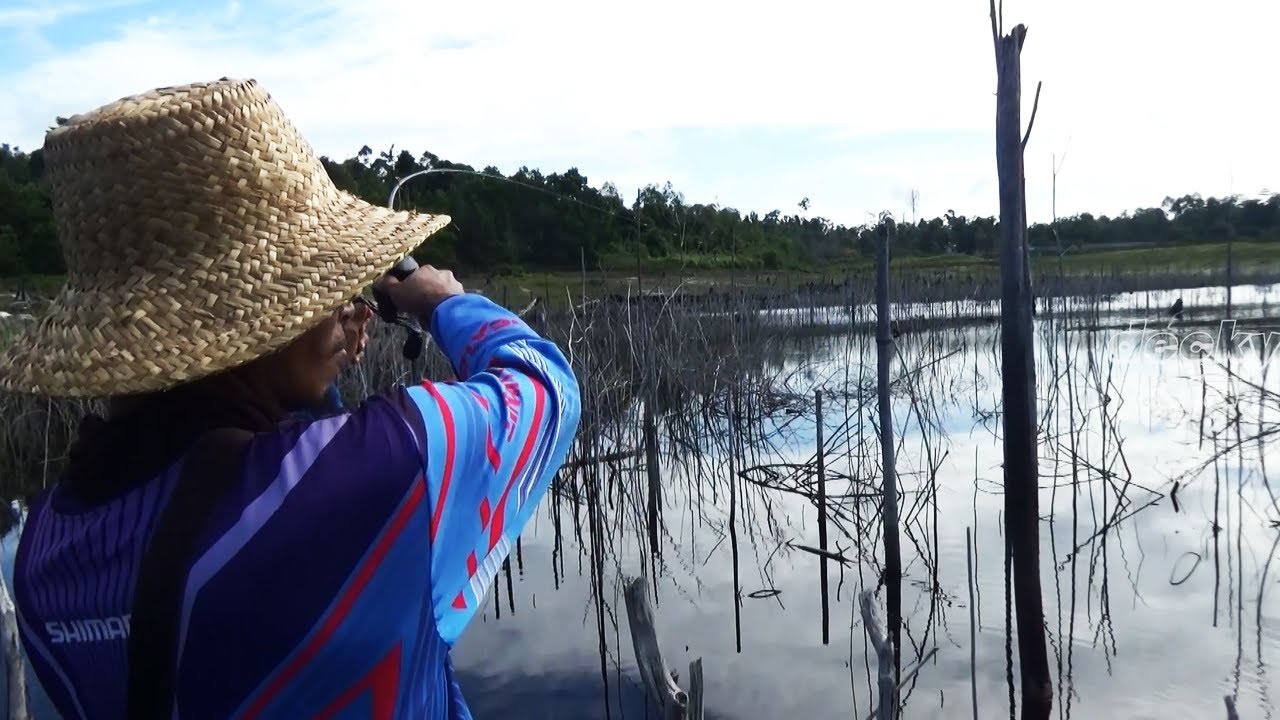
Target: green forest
point(531, 221)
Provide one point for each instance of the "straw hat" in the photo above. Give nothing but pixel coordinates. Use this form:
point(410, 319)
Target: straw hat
point(200, 232)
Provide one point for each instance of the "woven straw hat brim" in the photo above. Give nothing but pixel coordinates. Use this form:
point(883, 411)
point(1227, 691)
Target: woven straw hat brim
point(159, 331)
point(200, 232)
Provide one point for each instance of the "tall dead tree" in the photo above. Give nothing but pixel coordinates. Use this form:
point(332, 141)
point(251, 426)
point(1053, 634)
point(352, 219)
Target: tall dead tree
point(884, 356)
point(1018, 373)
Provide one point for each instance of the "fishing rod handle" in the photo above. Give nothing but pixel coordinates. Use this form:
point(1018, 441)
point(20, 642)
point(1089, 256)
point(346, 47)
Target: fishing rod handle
point(401, 271)
point(413, 342)
point(404, 268)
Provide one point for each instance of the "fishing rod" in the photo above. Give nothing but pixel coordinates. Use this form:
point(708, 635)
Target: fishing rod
point(463, 171)
point(415, 339)
point(382, 304)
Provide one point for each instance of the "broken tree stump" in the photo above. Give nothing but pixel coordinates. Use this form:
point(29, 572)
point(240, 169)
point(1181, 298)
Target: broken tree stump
point(660, 684)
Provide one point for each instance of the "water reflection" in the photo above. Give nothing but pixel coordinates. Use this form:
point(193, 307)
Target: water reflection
point(1157, 539)
point(1123, 589)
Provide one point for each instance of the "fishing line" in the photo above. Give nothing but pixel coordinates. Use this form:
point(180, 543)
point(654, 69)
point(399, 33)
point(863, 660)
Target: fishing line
point(381, 303)
point(559, 195)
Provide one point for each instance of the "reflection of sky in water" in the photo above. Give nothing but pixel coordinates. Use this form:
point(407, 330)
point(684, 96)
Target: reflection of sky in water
point(1144, 647)
point(1141, 646)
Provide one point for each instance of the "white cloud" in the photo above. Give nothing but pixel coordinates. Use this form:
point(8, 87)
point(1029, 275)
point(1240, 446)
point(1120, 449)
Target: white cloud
point(42, 14)
point(1152, 99)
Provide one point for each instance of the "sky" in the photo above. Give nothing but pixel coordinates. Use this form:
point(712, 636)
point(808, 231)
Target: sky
point(747, 104)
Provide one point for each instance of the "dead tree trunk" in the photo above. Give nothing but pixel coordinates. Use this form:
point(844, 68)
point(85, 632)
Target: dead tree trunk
point(822, 521)
point(654, 505)
point(1021, 472)
point(15, 668)
point(884, 355)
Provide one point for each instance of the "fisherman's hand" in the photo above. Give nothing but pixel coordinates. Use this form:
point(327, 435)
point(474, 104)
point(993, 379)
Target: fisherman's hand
point(421, 292)
point(355, 326)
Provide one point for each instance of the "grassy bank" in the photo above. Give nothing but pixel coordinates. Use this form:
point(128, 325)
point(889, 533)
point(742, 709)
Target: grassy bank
point(1247, 257)
point(518, 288)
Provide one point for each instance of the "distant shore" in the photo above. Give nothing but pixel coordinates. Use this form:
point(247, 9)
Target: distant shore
point(918, 277)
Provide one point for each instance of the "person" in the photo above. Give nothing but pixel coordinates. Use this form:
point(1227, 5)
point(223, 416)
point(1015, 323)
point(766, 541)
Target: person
point(202, 555)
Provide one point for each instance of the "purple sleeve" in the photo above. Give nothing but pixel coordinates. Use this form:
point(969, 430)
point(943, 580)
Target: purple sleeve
point(492, 444)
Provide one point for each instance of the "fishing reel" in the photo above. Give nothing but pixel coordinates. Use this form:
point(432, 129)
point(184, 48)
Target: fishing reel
point(386, 309)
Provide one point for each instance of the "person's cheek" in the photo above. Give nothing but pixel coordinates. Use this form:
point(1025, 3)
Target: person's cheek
point(317, 373)
point(335, 353)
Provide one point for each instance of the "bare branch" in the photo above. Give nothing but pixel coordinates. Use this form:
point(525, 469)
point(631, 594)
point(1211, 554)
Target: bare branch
point(995, 30)
point(1034, 106)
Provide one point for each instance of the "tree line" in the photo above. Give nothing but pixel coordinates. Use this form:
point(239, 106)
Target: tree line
point(535, 221)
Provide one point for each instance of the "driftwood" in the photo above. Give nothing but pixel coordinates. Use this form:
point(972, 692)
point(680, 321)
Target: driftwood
point(907, 676)
point(825, 554)
point(888, 701)
point(15, 668)
point(528, 308)
point(660, 684)
point(1018, 378)
point(885, 661)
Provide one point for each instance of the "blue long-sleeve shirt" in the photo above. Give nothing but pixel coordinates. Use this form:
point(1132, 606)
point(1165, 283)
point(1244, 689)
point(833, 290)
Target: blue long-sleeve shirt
point(348, 559)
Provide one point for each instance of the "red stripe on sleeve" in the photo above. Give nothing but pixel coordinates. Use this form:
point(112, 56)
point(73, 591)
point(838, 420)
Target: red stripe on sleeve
point(540, 399)
point(495, 457)
point(450, 441)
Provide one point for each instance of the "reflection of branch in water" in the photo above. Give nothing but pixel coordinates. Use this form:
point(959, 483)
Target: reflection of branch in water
point(597, 573)
point(1231, 582)
point(1055, 639)
point(1264, 678)
point(1239, 549)
point(1093, 413)
point(1217, 529)
point(1116, 520)
point(1116, 504)
point(1264, 684)
point(1070, 643)
point(927, 414)
point(733, 537)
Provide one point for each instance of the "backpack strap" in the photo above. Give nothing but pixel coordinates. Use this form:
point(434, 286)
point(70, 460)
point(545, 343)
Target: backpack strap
point(211, 467)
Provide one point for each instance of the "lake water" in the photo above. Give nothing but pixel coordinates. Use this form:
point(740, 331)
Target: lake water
point(1150, 613)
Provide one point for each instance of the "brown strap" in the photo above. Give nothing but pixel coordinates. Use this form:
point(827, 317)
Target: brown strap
point(211, 467)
